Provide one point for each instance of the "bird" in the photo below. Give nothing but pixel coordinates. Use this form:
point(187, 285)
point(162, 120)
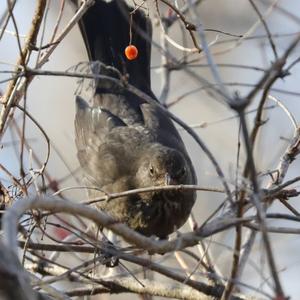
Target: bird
point(124, 142)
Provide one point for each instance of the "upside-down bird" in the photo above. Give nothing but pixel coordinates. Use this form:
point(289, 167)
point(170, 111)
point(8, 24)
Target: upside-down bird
point(123, 141)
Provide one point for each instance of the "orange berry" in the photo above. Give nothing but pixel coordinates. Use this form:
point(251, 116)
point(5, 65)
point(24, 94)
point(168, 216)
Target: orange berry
point(131, 52)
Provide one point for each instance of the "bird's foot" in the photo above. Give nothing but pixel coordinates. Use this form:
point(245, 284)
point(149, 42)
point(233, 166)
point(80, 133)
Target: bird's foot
point(162, 239)
point(107, 255)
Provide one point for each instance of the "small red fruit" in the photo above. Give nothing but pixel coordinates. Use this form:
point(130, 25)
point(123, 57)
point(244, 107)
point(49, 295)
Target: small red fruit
point(131, 52)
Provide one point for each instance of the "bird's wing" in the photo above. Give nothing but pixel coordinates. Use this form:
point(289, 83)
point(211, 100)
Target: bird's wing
point(122, 105)
point(92, 128)
point(105, 142)
point(157, 121)
point(91, 121)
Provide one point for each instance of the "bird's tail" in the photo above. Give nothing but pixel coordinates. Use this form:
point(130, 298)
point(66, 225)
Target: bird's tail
point(107, 27)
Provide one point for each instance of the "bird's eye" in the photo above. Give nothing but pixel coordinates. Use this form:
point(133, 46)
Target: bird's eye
point(151, 171)
point(181, 172)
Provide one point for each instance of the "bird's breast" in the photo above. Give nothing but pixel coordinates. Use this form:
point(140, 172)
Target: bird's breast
point(163, 213)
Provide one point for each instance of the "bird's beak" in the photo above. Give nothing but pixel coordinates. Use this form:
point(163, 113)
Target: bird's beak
point(169, 180)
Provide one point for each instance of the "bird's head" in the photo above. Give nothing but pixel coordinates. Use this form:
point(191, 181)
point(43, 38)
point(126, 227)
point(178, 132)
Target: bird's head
point(160, 165)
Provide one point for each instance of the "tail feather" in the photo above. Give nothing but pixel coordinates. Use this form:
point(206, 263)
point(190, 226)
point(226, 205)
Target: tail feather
point(106, 30)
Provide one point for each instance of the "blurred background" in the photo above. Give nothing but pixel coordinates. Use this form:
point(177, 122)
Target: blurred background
point(241, 63)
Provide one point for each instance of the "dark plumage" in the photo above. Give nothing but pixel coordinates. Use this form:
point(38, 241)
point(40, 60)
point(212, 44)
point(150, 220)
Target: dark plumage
point(124, 142)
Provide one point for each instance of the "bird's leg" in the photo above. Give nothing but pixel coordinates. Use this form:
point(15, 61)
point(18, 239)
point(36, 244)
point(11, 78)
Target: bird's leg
point(106, 257)
point(105, 254)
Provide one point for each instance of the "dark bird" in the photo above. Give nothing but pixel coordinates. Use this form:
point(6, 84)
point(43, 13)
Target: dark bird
point(123, 142)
